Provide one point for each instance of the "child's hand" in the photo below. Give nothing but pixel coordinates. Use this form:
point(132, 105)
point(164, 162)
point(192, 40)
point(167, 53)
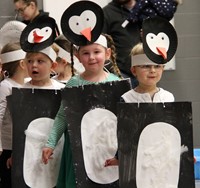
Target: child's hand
point(46, 154)
point(9, 162)
point(111, 162)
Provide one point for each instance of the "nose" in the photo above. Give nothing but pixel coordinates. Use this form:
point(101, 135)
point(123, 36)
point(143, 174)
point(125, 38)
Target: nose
point(34, 63)
point(152, 68)
point(92, 56)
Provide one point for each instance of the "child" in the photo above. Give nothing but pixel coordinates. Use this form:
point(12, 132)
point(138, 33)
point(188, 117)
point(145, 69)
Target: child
point(37, 40)
point(92, 52)
point(39, 65)
point(148, 75)
point(14, 69)
point(64, 69)
point(92, 57)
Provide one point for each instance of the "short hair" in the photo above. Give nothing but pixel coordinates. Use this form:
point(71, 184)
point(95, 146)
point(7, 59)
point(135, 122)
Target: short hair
point(26, 1)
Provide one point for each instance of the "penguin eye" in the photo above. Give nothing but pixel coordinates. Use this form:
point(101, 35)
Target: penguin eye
point(77, 23)
point(163, 38)
point(87, 19)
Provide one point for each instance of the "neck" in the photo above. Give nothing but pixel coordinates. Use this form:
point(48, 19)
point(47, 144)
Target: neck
point(97, 77)
point(130, 4)
point(65, 75)
point(41, 83)
point(35, 14)
point(144, 89)
point(19, 78)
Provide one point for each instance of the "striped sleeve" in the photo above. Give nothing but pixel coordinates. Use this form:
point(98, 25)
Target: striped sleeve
point(59, 127)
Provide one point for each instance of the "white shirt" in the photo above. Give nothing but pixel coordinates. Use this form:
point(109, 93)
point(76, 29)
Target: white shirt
point(161, 96)
point(5, 117)
point(55, 85)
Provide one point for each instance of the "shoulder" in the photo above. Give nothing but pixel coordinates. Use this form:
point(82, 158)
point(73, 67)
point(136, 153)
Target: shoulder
point(128, 94)
point(56, 84)
point(5, 88)
point(166, 95)
point(112, 77)
point(74, 81)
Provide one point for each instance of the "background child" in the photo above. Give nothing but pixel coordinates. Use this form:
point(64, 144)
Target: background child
point(93, 57)
point(64, 69)
point(14, 69)
point(148, 75)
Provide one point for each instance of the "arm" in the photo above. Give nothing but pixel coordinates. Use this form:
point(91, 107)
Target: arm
point(59, 127)
point(4, 91)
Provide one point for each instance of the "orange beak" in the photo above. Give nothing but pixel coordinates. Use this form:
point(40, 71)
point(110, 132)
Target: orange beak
point(162, 52)
point(87, 33)
point(37, 38)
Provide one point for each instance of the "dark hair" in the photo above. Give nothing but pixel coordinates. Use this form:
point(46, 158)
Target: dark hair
point(26, 1)
point(9, 69)
point(111, 64)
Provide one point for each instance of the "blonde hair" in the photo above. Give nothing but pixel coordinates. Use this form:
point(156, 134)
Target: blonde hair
point(137, 49)
point(114, 68)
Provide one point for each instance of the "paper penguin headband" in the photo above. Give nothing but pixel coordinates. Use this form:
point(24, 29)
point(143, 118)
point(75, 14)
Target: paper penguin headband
point(82, 22)
point(11, 32)
point(159, 39)
point(38, 35)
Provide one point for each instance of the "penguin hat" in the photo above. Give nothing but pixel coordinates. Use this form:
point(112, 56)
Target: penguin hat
point(38, 36)
point(82, 22)
point(159, 39)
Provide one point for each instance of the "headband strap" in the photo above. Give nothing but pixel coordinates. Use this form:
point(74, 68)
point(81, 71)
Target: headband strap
point(50, 53)
point(66, 55)
point(12, 56)
point(141, 59)
point(101, 40)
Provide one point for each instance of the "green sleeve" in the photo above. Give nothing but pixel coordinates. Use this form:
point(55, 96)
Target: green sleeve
point(59, 127)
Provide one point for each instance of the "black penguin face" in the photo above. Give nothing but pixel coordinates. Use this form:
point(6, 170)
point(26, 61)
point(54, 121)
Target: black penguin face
point(159, 40)
point(38, 35)
point(82, 22)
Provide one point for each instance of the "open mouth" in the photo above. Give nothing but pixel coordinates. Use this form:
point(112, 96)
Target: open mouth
point(34, 72)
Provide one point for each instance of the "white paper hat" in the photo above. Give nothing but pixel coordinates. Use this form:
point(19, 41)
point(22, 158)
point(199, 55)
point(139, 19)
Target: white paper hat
point(141, 59)
point(11, 32)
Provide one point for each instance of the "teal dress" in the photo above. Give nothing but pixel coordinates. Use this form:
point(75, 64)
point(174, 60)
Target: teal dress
point(66, 178)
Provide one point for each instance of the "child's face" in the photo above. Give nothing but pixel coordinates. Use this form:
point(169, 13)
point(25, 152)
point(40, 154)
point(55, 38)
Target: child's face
point(148, 75)
point(93, 57)
point(39, 66)
point(61, 66)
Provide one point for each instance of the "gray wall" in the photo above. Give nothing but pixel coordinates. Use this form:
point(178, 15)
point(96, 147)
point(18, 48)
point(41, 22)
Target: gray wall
point(182, 82)
point(7, 10)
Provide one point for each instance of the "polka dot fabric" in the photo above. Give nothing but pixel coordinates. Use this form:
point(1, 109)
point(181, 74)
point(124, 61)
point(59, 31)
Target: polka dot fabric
point(150, 8)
